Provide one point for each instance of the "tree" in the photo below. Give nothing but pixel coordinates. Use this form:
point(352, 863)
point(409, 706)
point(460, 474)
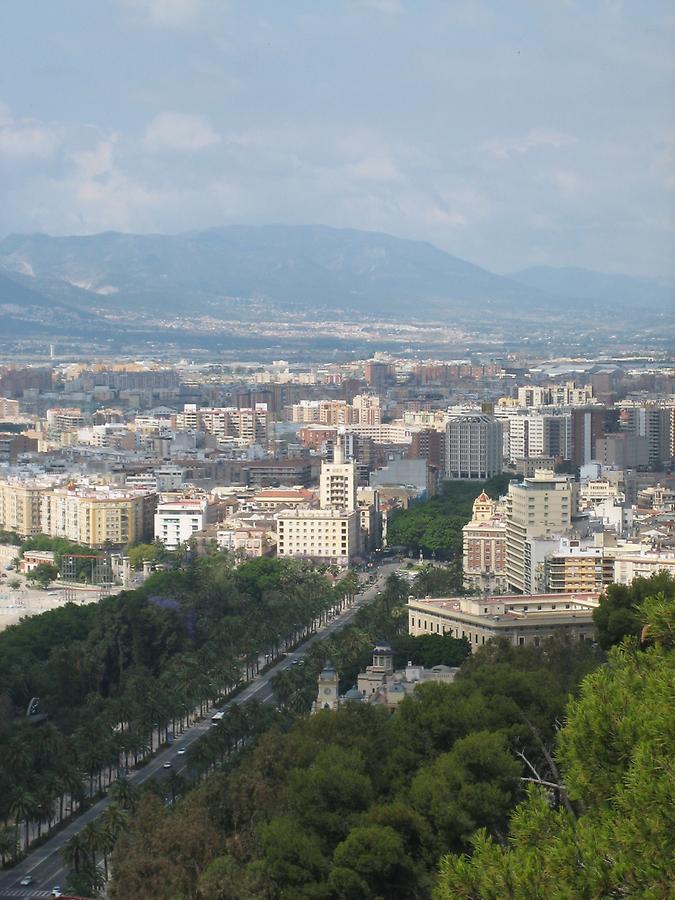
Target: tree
point(76, 852)
point(616, 753)
point(292, 859)
point(140, 553)
point(618, 614)
point(43, 574)
point(473, 785)
point(372, 862)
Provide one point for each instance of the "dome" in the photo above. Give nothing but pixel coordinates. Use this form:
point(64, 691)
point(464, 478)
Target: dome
point(353, 695)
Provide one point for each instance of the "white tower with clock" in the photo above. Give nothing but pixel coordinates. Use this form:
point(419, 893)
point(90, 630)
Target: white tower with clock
point(327, 696)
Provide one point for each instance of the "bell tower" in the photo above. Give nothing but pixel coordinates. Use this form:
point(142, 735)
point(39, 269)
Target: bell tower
point(327, 695)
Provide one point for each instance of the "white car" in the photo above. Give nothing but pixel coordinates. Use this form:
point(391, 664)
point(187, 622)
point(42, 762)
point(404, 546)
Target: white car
point(181, 751)
point(56, 891)
point(168, 765)
point(27, 879)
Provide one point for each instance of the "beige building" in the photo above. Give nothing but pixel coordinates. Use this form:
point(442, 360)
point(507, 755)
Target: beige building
point(484, 547)
point(541, 507)
point(576, 568)
point(642, 565)
point(328, 535)
point(98, 517)
point(522, 620)
point(20, 507)
point(228, 423)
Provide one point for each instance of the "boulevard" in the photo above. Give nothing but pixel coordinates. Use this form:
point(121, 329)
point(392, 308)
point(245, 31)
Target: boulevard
point(45, 865)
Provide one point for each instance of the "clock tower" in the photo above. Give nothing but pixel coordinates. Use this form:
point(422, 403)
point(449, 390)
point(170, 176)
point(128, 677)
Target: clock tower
point(327, 695)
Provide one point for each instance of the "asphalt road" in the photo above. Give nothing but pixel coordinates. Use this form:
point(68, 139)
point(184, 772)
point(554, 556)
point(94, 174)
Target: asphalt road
point(45, 864)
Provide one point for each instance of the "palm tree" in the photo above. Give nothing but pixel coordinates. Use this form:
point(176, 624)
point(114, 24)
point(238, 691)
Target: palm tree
point(115, 819)
point(8, 845)
point(24, 809)
point(75, 853)
point(91, 836)
point(124, 794)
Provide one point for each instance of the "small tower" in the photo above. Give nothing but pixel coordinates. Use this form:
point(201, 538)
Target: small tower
point(483, 508)
point(327, 695)
point(383, 659)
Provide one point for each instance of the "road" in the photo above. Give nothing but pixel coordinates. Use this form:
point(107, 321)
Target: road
point(45, 864)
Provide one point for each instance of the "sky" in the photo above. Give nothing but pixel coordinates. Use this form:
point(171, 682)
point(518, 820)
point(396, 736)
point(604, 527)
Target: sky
point(512, 134)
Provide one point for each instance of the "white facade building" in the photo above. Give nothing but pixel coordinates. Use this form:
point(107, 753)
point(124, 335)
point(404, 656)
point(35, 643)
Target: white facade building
point(177, 521)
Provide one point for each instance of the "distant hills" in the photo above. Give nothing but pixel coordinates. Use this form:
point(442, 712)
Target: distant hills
point(245, 273)
point(600, 287)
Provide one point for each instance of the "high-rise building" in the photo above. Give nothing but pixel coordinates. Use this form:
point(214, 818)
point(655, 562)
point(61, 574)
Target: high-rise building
point(538, 508)
point(337, 483)
point(655, 423)
point(473, 446)
point(588, 426)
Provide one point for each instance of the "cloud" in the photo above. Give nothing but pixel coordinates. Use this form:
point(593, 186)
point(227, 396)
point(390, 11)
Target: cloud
point(172, 131)
point(26, 138)
point(389, 7)
point(165, 13)
point(535, 139)
point(374, 169)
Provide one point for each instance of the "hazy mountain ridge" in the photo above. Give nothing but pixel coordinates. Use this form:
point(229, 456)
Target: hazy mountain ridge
point(599, 287)
point(241, 272)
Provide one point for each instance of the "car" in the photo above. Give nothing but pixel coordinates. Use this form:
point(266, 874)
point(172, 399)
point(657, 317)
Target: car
point(181, 751)
point(27, 879)
point(56, 891)
point(168, 765)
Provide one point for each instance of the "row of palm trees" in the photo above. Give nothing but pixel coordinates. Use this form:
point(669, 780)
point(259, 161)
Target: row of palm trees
point(53, 775)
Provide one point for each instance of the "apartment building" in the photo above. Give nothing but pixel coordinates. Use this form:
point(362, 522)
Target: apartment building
point(97, 516)
point(574, 567)
point(20, 507)
point(248, 425)
point(326, 535)
point(64, 419)
point(541, 507)
point(176, 521)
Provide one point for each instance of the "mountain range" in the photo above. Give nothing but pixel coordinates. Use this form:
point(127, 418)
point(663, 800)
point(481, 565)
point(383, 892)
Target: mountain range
point(319, 273)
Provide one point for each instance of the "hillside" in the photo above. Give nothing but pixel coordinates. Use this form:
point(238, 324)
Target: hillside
point(600, 288)
point(242, 272)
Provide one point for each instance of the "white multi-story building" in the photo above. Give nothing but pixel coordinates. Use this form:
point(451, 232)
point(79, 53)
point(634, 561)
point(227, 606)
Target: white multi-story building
point(337, 483)
point(473, 446)
point(177, 521)
point(536, 435)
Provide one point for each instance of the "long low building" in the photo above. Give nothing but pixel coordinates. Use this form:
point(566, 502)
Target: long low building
point(522, 619)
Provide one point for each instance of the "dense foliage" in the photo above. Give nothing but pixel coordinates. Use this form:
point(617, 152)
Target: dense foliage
point(116, 677)
point(616, 837)
point(435, 525)
point(358, 803)
point(619, 614)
